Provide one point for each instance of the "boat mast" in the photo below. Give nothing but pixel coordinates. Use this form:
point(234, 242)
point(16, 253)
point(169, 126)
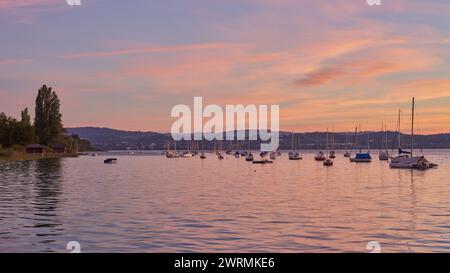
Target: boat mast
point(399, 129)
point(382, 136)
point(412, 126)
point(386, 137)
point(292, 141)
point(333, 138)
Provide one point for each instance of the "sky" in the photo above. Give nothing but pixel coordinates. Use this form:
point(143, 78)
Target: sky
point(125, 64)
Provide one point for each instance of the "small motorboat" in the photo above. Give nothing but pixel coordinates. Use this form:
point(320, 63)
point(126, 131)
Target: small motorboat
point(110, 160)
point(237, 154)
point(202, 156)
point(347, 154)
point(220, 156)
point(328, 162)
point(249, 157)
point(263, 161)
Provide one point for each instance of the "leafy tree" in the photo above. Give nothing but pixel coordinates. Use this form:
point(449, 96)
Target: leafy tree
point(25, 117)
point(23, 131)
point(13, 132)
point(4, 130)
point(47, 120)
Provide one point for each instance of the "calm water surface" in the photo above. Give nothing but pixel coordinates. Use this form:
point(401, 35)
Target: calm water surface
point(154, 204)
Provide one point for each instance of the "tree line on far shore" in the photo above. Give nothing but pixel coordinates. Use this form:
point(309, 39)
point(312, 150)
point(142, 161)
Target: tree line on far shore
point(47, 128)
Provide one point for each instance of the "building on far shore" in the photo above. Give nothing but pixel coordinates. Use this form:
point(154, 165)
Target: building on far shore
point(59, 148)
point(35, 149)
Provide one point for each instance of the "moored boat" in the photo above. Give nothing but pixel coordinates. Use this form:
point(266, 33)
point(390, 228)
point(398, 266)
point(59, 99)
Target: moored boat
point(263, 161)
point(328, 162)
point(294, 154)
point(110, 160)
point(407, 160)
point(361, 158)
point(320, 156)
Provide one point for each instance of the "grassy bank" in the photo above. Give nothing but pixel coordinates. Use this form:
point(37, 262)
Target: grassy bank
point(19, 154)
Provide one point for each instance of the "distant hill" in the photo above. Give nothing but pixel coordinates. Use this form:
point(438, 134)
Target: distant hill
point(111, 139)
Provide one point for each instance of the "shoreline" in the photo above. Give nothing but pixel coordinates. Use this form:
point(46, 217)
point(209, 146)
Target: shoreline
point(22, 156)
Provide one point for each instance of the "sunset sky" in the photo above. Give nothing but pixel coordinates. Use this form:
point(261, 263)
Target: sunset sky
point(125, 64)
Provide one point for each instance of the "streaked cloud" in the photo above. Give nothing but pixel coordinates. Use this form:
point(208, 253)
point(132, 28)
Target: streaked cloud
point(323, 61)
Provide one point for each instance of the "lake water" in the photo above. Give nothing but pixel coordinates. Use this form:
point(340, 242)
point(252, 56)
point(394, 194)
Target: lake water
point(154, 204)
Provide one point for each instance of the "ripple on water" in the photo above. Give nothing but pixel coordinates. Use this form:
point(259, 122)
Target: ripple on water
point(153, 204)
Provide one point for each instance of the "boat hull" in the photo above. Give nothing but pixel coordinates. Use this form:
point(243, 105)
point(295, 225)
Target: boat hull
point(357, 160)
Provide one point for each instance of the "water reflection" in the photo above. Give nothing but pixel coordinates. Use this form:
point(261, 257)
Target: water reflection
point(48, 175)
point(154, 204)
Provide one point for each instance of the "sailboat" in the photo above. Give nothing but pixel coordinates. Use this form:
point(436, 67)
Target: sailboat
point(320, 155)
point(332, 153)
point(406, 160)
point(384, 154)
point(361, 157)
point(202, 154)
point(346, 154)
point(188, 153)
point(237, 154)
point(172, 154)
point(328, 162)
point(294, 154)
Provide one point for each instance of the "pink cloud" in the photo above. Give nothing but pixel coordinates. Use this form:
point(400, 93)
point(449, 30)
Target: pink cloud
point(17, 4)
point(14, 61)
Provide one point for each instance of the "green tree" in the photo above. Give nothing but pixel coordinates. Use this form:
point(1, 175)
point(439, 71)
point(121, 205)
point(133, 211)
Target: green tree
point(47, 120)
point(23, 131)
point(4, 130)
point(13, 132)
point(25, 117)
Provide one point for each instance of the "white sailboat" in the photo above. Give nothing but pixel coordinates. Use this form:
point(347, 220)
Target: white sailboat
point(407, 160)
point(294, 154)
point(328, 162)
point(332, 153)
point(320, 156)
point(346, 154)
point(383, 154)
